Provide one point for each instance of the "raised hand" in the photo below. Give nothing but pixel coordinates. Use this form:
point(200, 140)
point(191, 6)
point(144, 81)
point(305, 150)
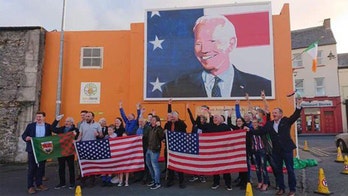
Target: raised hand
point(263, 95)
point(59, 117)
point(237, 102)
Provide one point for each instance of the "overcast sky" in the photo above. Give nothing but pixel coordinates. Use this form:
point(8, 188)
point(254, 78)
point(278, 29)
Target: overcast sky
point(118, 14)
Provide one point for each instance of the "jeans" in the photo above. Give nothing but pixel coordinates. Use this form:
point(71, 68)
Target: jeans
point(152, 164)
point(288, 159)
point(261, 167)
point(34, 170)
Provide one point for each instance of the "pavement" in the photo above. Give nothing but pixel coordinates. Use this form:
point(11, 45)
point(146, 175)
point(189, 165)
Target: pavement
point(13, 182)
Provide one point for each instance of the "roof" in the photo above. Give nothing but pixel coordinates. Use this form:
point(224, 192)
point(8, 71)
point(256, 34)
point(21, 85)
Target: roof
point(302, 38)
point(342, 60)
point(20, 28)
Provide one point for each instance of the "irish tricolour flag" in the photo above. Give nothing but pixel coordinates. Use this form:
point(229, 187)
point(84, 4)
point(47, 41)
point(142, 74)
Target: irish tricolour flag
point(53, 146)
point(312, 50)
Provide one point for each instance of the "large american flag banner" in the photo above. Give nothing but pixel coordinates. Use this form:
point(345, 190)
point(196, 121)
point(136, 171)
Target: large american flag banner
point(108, 156)
point(207, 153)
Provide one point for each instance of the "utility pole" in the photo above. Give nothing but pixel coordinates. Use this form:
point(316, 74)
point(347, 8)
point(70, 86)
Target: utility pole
point(60, 66)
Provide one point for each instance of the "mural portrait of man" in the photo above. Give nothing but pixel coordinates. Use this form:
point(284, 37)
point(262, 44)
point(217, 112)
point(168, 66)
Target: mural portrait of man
point(211, 67)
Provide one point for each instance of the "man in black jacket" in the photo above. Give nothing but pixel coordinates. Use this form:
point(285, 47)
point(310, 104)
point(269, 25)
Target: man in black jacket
point(218, 125)
point(175, 124)
point(279, 130)
point(68, 127)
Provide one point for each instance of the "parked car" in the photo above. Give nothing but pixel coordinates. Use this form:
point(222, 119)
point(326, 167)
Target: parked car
point(341, 141)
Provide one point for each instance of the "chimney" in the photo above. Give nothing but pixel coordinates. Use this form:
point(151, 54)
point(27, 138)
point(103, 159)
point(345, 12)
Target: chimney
point(327, 24)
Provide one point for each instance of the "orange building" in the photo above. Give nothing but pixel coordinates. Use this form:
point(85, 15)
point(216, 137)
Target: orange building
point(121, 73)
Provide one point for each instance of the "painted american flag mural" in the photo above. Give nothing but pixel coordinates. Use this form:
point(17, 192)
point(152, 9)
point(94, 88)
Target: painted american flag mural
point(169, 43)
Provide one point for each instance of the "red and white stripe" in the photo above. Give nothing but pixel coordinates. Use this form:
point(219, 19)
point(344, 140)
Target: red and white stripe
point(126, 156)
point(219, 153)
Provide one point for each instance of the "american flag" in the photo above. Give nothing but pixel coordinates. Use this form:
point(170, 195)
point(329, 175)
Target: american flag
point(207, 153)
point(108, 156)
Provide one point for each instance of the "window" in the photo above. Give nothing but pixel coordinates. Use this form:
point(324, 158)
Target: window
point(319, 87)
point(91, 57)
point(299, 86)
point(320, 57)
point(297, 60)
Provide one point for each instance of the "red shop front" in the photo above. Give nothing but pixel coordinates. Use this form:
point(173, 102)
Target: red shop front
point(320, 115)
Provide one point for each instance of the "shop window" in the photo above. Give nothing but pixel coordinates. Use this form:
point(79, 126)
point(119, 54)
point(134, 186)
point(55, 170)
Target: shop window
point(312, 120)
point(297, 60)
point(91, 57)
point(319, 87)
point(299, 86)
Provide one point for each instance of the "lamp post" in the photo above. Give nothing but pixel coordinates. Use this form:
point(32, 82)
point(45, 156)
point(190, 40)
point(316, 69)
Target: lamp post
point(60, 65)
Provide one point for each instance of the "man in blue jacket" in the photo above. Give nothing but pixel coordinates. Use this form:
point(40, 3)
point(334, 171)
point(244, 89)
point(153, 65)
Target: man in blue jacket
point(35, 171)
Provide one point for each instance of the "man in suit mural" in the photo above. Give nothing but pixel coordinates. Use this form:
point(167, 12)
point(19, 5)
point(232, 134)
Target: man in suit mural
point(215, 39)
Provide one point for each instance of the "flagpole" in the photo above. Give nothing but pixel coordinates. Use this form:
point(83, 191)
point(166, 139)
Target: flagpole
point(60, 65)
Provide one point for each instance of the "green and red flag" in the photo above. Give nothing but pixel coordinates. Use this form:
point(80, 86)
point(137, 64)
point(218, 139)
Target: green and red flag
point(53, 146)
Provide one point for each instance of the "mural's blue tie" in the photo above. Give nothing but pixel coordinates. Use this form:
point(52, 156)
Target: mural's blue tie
point(216, 92)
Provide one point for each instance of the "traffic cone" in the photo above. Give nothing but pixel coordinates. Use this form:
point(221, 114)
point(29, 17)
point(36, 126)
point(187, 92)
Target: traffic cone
point(345, 170)
point(78, 191)
point(322, 184)
point(249, 190)
point(339, 156)
point(305, 147)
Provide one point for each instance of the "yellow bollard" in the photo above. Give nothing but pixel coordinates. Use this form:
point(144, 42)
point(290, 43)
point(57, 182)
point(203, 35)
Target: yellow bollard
point(339, 156)
point(249, 190)
point(322, 184)
point(305, 147)
point(78, 191)
point(345, 168)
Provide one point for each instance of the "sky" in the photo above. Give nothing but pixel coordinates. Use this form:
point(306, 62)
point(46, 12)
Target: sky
point(118, 14)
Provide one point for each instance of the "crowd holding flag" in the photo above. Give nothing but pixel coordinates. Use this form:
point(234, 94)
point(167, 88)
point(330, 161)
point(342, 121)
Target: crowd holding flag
point(208, 153)
point(53, 146)
point(114, 155)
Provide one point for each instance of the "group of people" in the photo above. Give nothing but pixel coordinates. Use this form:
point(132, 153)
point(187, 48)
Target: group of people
point(266, 141)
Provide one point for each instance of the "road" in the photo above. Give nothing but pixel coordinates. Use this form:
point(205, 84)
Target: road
point(13, 177)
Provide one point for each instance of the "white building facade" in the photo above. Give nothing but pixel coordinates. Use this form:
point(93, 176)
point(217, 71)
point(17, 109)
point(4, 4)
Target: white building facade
point(320, 89)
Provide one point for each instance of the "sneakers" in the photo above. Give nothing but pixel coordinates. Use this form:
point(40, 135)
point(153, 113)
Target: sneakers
point(120, 184)
point(115, 180)
point(193, 179)
point(72, 186)
point(155, 186)
point(229, 188)
point(126, 184)
point(31, 190)
point(59, 186)
point(41, 188)
point(150, 184)
point(215, 186)
point(202, 179)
